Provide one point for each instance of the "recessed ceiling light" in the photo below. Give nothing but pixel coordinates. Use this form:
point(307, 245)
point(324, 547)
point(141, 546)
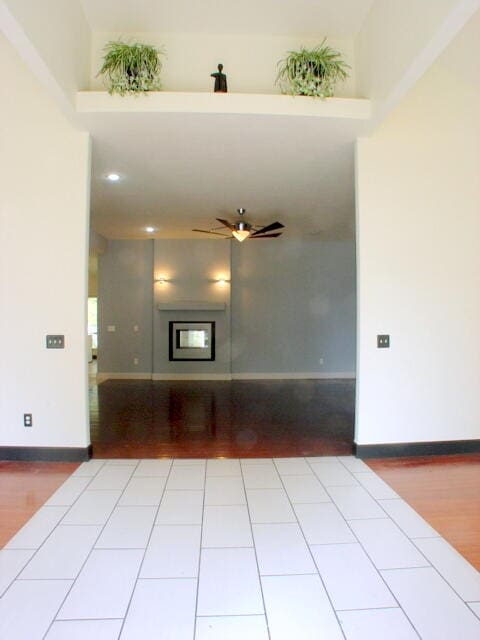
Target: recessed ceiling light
point(150, 229)
point(113, 177)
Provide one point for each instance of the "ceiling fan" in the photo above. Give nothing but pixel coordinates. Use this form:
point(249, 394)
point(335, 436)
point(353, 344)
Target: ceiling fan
point(241, 229)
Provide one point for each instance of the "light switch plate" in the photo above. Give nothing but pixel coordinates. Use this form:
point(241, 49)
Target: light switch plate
point(383, 341)
point(55, 342)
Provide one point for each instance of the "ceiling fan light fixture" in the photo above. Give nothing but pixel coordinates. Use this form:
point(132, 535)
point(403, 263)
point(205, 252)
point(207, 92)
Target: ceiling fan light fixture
point(241, 229)
point(241, 234)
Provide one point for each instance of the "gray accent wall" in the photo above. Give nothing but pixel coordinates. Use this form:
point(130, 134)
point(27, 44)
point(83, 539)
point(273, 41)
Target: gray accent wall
point(293, 303)
point(125, 299)
point(290, 304)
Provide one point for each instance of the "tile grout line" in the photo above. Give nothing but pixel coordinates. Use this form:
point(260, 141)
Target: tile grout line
point(429, 564)
point(195, 613)
point(85, 490)
point(432, 566)
point(91, 550)
point(371, 561)
point(170, 578)
point(416, 513)
point(145, 549)
point(472, 610)
point(311, 554)
point(372, 473)
point(87, 619)
point(37, 549)
point(235, 547)
point(371, 609)
point(235, 615)
point(327, 489)
point(255, 554)
point(399, 498)
point(421, 566)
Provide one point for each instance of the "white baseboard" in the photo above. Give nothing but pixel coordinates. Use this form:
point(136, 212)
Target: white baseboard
point(295, 376)
point(101, 377)
point(191, 376)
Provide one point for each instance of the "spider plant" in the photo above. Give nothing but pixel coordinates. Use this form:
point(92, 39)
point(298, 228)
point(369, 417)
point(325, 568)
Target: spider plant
point(312, 72)
point(131, 68)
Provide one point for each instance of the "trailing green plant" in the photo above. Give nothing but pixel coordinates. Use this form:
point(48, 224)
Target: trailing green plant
point(312, 72)
point(131, 68)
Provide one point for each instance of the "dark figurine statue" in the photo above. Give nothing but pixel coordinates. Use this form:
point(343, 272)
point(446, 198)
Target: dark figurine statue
point(220, 80)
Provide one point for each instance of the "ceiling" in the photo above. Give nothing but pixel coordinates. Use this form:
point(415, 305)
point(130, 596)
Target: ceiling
point(274, 17)
point(181, 171)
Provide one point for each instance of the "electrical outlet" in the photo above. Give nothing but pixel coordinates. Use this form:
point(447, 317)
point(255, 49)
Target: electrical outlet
point(27, 420)
point(135, 361)
point(383, 341)
point(135, 328)
point(320, 361)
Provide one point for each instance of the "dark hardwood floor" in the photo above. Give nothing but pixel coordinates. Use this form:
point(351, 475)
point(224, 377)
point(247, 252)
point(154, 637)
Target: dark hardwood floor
point(281, 418)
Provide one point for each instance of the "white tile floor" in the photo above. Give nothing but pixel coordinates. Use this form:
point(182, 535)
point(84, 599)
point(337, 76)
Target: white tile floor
point(304, 549)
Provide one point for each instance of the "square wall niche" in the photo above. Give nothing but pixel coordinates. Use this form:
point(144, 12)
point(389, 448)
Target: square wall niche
point(191, 341)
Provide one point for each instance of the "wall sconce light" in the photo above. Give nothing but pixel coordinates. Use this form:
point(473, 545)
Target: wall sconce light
point(162, 280)
point(221, 281)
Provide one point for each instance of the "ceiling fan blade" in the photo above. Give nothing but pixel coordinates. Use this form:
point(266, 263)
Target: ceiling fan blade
point(269, 227)
point(213, 233)
point(228, 224)
point(272, 235)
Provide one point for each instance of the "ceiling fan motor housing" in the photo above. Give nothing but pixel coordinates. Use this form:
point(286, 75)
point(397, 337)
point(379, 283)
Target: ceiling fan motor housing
point(243, 226)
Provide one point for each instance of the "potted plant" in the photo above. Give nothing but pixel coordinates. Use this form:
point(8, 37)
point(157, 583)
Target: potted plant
point(131, 68)
point(312, 72)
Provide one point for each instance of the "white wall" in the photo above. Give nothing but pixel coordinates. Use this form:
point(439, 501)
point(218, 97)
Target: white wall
point(418, 258)
point(399, 41)
point(53, 37)
point(250, 61)
point(43, 257)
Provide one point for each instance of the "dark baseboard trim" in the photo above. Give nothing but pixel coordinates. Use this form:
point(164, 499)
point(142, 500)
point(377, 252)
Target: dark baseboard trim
point(46, 454)
point(406, 449)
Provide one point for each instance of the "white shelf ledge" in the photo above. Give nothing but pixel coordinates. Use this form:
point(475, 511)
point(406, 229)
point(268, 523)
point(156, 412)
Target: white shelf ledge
point(191, 305)
point(228, 103)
